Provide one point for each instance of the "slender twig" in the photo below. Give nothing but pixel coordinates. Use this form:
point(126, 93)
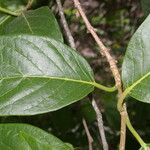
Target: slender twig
point(90, 139)
point(104, 50)
point(100, 124)
point(65, 25)
point(112, 62)
point(71, 39)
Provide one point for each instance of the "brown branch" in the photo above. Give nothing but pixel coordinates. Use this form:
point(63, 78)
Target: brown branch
point(100, 125)
point(123, 114)
point(104, 51)
point(112, 63)
point(90, 139)
point(65, 25)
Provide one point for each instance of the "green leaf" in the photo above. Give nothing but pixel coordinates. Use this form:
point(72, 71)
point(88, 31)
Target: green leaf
point(39, 75)
point(13, 5)
point(4, 20)
point(27, 137)
point(146, 6)
point(136, 65)
point(147, 147)
point(35, 22)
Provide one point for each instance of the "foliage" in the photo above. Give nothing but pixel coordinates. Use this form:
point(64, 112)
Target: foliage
point(30, 23)
point(39, 73)
point(135, 70)
point(22, 136)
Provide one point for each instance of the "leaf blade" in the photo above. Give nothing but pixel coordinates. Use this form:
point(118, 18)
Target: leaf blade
point(23, 136)
point(13, 5)
point(32, 77)
point(40, 22)
point(136, 65)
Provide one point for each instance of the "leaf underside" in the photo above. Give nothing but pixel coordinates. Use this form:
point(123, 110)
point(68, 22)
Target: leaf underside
point(27, 137)
point(136, 65)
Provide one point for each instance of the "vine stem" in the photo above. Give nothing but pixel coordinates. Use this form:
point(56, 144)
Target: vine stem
point(112, 62)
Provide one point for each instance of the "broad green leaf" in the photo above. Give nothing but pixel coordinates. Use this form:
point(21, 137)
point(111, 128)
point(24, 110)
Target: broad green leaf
point(146, 6)
point(38, 22)
point(4, 20)
point(136, 65)
point(39, 75)
point(27, 137)
point(145, 148)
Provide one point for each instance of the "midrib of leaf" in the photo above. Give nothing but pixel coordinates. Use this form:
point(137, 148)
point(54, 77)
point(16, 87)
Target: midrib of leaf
point(39, 142)
point(127, 90)
point(99, 86)
point(30, 145)
point(26, 20)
